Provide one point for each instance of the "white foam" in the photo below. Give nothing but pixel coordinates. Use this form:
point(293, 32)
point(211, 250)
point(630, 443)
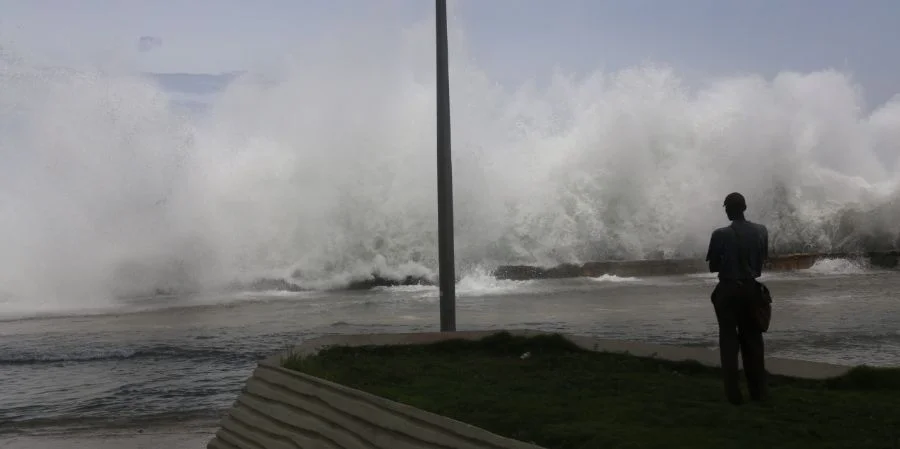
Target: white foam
point(268, 294)
point(480, 282)
point(408, 289)
point(615, 279)
point(325, 167)
point(838, 267)
point(476, 282)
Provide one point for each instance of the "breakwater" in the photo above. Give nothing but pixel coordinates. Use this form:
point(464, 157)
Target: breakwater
point(628, 268)
point(669, 267)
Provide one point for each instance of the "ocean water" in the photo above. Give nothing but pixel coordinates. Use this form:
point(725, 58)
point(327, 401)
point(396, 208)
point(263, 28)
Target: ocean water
point(183, 360)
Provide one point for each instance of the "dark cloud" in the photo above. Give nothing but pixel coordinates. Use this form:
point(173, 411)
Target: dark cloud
point(147, 43)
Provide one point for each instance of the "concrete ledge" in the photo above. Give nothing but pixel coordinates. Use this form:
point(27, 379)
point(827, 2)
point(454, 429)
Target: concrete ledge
point(280, 408)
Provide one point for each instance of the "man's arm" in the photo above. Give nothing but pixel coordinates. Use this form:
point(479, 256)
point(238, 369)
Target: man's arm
point(714, 253)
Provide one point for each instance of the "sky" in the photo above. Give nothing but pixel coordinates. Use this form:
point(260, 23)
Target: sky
point(513, 40)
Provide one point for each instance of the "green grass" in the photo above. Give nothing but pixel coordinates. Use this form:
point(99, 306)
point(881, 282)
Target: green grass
point(563, 397)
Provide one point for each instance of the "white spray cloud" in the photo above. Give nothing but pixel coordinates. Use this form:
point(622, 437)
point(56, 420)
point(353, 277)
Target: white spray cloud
point(328, 167)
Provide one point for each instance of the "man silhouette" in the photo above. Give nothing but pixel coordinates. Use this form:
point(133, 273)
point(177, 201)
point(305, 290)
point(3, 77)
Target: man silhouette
point(737, 253)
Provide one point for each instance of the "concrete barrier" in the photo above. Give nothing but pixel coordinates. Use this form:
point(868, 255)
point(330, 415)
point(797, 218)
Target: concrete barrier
point(280, 408)
point(670, 267)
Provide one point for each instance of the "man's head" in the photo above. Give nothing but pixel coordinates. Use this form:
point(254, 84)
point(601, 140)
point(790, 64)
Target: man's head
point(735, 205)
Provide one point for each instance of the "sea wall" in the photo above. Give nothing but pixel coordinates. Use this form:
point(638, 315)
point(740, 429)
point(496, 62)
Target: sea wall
point(280, 408)
point(636, 268)
point(669, 267)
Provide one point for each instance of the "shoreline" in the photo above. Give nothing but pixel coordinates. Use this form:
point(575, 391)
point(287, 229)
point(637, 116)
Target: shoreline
point(125, 308)
point(779, 263)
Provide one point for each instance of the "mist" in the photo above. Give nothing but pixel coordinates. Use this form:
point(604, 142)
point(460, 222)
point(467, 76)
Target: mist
point(323, 168)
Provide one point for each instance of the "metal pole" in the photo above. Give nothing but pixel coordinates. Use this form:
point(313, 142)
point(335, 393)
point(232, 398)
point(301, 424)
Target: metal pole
point(446, 259)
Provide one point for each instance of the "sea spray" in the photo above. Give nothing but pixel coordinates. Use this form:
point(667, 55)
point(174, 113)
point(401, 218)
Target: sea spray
point(324, 169)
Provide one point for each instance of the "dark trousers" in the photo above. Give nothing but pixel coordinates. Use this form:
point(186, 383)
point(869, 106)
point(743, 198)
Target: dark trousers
point(739, 333)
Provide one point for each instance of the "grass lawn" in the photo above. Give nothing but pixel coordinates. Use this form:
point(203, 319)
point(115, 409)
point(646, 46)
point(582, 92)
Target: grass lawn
point(564, 397)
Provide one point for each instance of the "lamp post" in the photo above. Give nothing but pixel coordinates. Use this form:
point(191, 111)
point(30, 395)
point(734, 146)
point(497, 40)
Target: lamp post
point(446, 258)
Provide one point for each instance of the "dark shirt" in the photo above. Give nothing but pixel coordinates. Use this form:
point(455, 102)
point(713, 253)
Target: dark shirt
point(722, 255)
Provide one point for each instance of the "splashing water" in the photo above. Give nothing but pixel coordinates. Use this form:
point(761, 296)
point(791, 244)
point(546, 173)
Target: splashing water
point(839, 267)
point(478, 282)
point(615, 279)
point(325, 169)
